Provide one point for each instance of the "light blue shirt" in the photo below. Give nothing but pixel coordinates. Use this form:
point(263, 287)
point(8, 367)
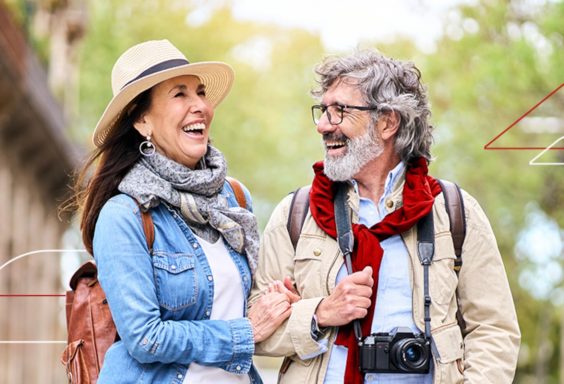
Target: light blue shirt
point(394, 297)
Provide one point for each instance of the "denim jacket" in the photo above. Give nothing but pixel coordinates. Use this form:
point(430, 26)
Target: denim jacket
point(161, 303)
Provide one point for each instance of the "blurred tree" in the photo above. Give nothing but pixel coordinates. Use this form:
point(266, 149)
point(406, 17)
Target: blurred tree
point(263, 127)
point(496, 61)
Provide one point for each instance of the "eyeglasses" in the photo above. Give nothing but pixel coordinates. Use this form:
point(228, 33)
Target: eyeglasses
point(334, 112)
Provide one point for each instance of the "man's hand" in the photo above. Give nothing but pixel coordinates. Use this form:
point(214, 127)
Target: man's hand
point(287, 288)
point(349, 301)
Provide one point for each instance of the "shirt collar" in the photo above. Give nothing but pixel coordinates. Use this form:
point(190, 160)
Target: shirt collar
point(393, 176)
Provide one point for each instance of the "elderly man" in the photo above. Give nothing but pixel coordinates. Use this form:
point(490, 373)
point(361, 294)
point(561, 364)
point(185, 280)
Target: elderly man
point(391, 315)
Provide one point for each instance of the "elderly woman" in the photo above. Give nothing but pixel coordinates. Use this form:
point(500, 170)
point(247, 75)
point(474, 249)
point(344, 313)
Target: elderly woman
point(179, 307)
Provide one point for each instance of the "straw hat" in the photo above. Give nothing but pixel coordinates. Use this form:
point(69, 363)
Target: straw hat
point(147, 64)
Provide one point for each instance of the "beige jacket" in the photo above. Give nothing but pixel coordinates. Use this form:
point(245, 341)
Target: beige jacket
point(485, 353)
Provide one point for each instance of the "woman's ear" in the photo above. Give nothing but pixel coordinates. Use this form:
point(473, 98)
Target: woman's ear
point(142, 126)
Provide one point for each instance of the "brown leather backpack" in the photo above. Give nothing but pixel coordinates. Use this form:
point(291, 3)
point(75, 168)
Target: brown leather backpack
point(91, 329)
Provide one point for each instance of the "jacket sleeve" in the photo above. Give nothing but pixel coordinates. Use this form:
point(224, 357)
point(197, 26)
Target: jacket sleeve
point(125, 272)
point(276, 260)
point(492, 335)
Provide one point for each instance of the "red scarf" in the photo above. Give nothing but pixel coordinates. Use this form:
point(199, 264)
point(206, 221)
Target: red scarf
point(419, 194)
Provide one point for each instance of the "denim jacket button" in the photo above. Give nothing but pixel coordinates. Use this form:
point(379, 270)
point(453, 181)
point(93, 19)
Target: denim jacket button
point(238, 367)
point(179, 376)
point(210, 277)
point(207, 313)
point(173, 267)
point(195, 245)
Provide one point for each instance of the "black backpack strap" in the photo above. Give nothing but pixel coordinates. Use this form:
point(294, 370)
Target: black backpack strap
point(297, 213)
point(454, 205)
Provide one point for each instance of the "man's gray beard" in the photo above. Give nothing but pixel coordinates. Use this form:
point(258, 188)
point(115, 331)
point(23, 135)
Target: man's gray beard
point(360, 151)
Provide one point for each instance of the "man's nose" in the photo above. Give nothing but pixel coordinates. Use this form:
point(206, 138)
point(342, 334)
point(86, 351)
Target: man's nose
point(324, 126)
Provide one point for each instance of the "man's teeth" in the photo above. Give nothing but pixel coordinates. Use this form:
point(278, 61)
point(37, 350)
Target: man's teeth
point(335, 144)
point(194, 127)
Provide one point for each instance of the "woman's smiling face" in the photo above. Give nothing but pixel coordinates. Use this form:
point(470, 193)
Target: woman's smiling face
point(178, 119)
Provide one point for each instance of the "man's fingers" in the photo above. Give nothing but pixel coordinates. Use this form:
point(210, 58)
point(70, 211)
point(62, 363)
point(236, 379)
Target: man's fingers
point(363, 277)
point(290, 285)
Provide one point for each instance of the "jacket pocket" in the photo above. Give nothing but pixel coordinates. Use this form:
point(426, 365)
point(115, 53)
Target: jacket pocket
point(295, 370)
point(443, 279)
point(307, 266)
point(175, 280)
point(449, 365)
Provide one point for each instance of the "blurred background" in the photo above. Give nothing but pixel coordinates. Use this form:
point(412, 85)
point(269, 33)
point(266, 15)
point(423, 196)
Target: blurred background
point(488, 65)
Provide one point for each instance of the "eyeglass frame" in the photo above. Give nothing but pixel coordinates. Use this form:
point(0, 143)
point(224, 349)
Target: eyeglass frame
point(342, 107)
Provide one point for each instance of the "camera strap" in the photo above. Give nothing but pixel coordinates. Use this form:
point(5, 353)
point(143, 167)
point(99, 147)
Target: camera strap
point(425, 251)
point(345, 237)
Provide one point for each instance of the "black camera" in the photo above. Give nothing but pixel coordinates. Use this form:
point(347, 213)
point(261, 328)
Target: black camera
point(399, 351)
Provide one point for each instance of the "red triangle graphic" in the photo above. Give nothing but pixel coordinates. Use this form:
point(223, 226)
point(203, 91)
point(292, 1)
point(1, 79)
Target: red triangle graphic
point(488, 145)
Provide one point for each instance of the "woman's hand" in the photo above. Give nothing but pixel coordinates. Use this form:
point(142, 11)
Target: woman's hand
point(268, 313)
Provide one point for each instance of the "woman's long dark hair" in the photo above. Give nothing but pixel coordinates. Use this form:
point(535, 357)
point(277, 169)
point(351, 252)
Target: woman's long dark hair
point(112, 160)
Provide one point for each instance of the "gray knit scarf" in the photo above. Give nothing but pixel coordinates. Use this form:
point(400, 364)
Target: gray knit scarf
point(195, 192)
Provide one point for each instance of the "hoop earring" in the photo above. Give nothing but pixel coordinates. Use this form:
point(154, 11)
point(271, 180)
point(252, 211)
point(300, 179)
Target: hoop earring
point(147, 148)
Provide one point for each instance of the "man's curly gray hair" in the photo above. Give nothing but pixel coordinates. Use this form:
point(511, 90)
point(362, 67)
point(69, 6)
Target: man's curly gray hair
point(391, 85)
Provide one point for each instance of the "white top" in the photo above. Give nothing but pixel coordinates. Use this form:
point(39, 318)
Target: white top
point(228, 303)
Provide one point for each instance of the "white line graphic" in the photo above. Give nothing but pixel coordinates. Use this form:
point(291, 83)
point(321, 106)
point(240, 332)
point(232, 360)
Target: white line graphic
point(20, 257)
point(36, 252)
point(533, 160)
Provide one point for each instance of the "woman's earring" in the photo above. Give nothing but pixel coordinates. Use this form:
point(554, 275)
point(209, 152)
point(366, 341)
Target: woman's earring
point(147, 148)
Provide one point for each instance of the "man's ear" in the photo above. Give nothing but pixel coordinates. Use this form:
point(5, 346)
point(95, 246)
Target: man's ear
point(390, 124)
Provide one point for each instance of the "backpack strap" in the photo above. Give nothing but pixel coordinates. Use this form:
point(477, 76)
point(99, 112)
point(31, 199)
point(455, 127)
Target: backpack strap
point(238, 191)
point(297, 214)
point(454, 205)
point(149, 229)
point(455, 209)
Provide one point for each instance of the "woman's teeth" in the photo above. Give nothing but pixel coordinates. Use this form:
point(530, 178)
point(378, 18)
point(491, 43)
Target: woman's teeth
point(198, 127)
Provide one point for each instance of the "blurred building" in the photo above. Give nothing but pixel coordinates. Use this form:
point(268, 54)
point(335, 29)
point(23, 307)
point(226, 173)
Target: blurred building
point(36, 159)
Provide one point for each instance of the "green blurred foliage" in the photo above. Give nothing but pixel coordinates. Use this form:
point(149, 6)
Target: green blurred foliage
point(263, 127)
point(496, 60)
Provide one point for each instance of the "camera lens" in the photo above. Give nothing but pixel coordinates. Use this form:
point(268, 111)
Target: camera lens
point(410, 354)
